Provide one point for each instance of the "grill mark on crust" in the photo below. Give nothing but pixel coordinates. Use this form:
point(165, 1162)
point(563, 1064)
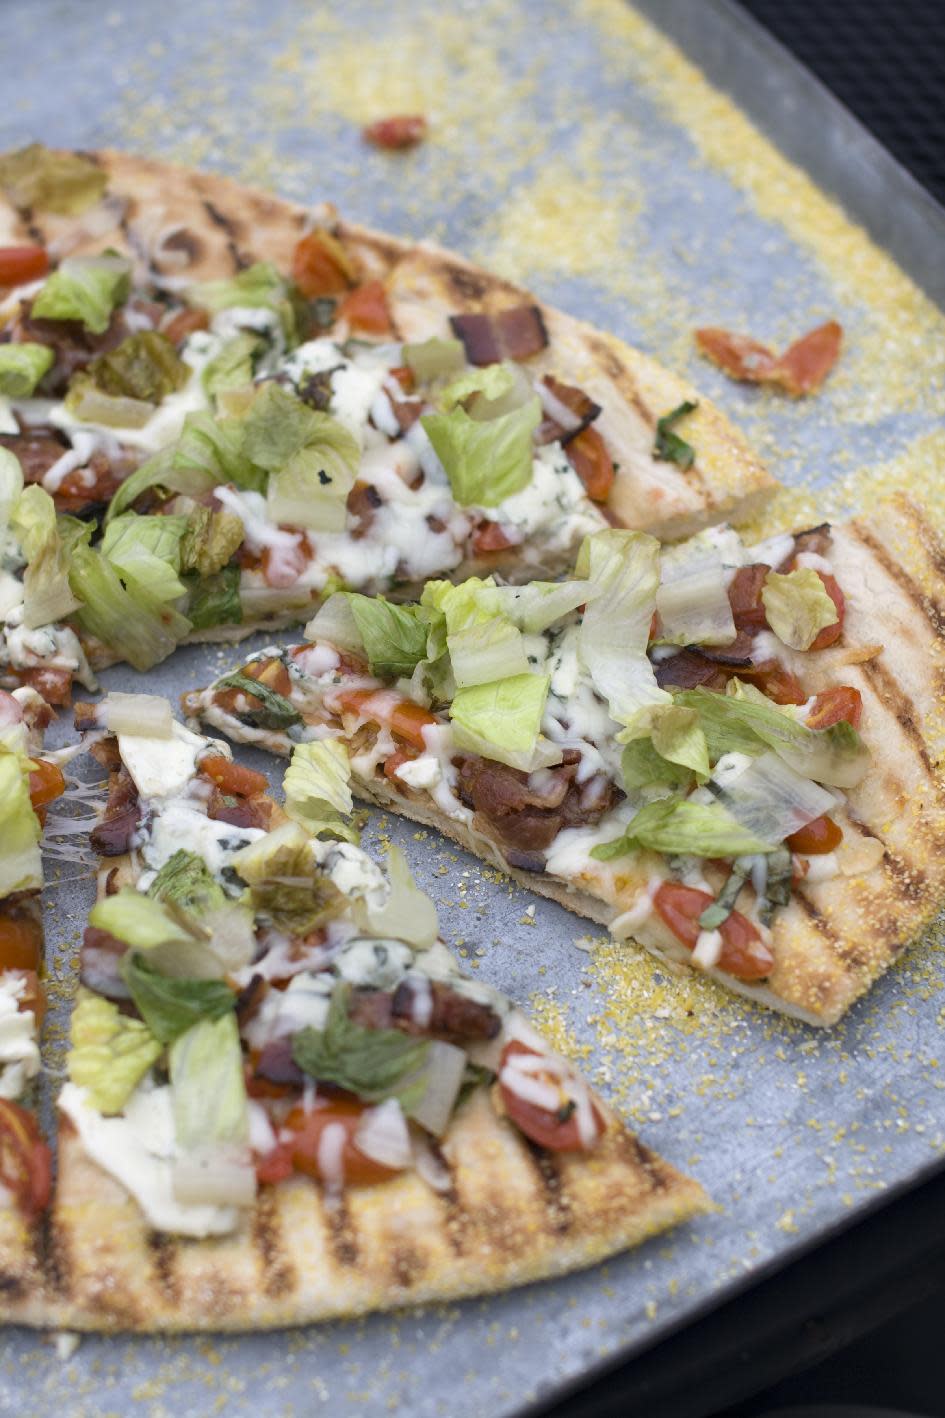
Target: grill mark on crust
point(910, 878)
point(927, 605)
point(455, 1215)
point(902, 708)
point(342, 1236)
point(847, 953)
point(558, 1210)
point(646, 1161)
point(53, 1254)
point(278, 1271)
point(163, 1256)
point(931, 545)
point(407, 1264)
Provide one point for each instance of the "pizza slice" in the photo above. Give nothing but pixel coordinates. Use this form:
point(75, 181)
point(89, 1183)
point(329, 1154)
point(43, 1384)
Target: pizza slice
point(28, 783)
point(285, 1103)
point(225, 407)
point(728, 753)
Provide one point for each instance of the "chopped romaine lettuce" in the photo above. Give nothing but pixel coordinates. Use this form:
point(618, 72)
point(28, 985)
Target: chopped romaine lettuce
point(138, 626)
point(146, 550)
point(312, 458)
point(145, 366)
point(502, 720)
point(371, 1063)
point(483, 645)
point(211, 451)
point(46, 181)
point(110, 1052)
point(214, 600)
point(434, 357)
point(681, 826)
point(797, 606)
point(766, 796)
point(260, 287)
point(489, 460)
point(22, 366)
point(140, 921)
point(47, 594)
point(540, 603)
point(185, 880)
point(170, 1005)
point(408, 914)
point(210, 539)
point(394, 637)
point(317, 791)
point(11, 485)
point(85, 288)
point(234, 366)
point(624, 569)
point(21, 867)
point(642, 767)
point(209, 1094)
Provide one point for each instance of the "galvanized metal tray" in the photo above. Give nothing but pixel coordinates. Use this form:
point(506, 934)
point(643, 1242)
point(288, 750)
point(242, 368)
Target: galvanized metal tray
point(573, 148)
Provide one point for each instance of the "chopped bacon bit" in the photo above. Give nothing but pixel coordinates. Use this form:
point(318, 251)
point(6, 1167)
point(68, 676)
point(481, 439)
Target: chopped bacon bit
point(509, 334)
point(577, 404)
point(588, 456)
point(687, 670)
point(184, 323)
point(403, 130)
point(321, 266)
point(744, 596)
point(800, 370)
point(55, 685)
point(365, 308)
point(776, 682)
point(238, 812)
point(491, 537)
point(405, 378)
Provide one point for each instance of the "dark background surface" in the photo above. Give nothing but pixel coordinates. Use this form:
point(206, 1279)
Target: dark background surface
point(860, 1321)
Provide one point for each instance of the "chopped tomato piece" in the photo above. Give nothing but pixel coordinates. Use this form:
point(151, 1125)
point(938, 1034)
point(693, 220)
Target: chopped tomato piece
point(283, 565)
point(397, 761)
point(738, 356)
point(21, 941)
point(776, 682)
point(22, 263)
point(275, 1166)
point(231, 777)
point(556, 1129)
point(588, 456)
point(405, 378)
point(744, 953)
point(381, 706)
point(831, 706)
point(744, 597)
point(819, 836)
point(46, 782)
point(308, 1155)
point(321, 266)
point(33, 996)
point(237, 811)
point(55, 685)
point(365, 308)
point(25, 1160)
point(184, 323)
point(805, 365)
point(830, 633)
point(403, 130)
point(490, 537)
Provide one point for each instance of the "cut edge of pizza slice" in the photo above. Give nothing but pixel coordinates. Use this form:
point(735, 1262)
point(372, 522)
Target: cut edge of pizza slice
point(285, 1103)
point(730, 754)
point(29, 782)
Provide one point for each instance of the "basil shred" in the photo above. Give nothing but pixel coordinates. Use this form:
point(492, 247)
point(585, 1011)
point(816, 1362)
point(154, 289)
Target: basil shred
point(669, 447)
point(274, 712)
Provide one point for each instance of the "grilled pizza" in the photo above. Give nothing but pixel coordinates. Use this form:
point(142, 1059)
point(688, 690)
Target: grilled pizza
point(285, 1103)
point(728, 753)
point(226, 406)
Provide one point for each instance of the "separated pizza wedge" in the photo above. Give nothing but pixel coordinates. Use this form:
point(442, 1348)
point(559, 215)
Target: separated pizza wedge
point(28, 783)
point(236, 406)
point(285, 1103)
point(729, 753)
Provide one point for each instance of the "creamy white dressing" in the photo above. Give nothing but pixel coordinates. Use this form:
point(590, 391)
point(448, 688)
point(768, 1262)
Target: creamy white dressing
point(19, 1053)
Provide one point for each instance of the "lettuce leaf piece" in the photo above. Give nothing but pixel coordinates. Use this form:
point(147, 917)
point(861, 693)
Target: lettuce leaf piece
point(11, 485)
point(428, 359)
point(286, 851)
point(668, 746)
point(85, 288)
point(48, 181)
point(214, 600)
point(540, 603)
point(21, 867)
point(692, 601)
point(145, 366)
point(485, 461)
point(211, 451)
point(797, 606)
point(371, 1063)
point(260, 287)
point(681, 826)
point(394, 637)
point(489, 384)
point(624, 569)
point(210, 539)
point(140, 628)
point(86, 402)
point(158, 471)
point(317, 791)
point(22, 366)
point(312, 458)
point(185, 880)
point(836, 756)
point(208, 1088)
point(408, 914)
point(47, 593)
point(169, 1005)
point(110, 1053)
point(234, 366)
point(766, 796)
point(289, 890)
point(147, 549)
point(642, 767)
point(482, 644)
point(141, 921)
point(502, 720)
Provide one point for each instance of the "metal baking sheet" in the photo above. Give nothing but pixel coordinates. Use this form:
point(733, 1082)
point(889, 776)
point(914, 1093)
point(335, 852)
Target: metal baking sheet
point(574, 148)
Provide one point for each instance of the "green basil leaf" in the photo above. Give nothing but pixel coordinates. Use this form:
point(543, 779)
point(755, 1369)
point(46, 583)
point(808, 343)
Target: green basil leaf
point(669, 447)
point(168, 1006)
point(274, 712)
point(372, 1063)
point(185, 880)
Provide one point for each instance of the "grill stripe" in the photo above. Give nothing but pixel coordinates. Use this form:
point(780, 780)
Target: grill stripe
point(559, 1212)
point(931, 609)
point(901, 707)
point(279, 1274)
point(342, 1236)
point(163, 1250)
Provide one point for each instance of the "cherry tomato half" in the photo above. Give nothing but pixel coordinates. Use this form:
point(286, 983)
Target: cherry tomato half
point(309, 1126)
point(22, 263)
point(744, 953)
point(832, 706)
point(25, 1160)
point(231, 777)
point(558, 1130)
point(819, 836)
point(380, 706)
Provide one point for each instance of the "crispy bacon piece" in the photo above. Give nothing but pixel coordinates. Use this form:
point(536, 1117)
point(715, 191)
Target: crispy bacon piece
point(363, 501)
point(52, 682)
point(185, 322)
point(800, 370)
point(444, 1013)
point(577, 410)
point(73, 346)
point(529, 817)
point(113, 834)
point(402, 130)
point(744, 596)
point(588, 456)
point(238, 812)
point(491, 537)
point(516, 333)
point(276, 1064)
point(38, 447)
point(688, 670)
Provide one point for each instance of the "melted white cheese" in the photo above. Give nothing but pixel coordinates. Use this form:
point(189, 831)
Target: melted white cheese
point(19, 1054)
